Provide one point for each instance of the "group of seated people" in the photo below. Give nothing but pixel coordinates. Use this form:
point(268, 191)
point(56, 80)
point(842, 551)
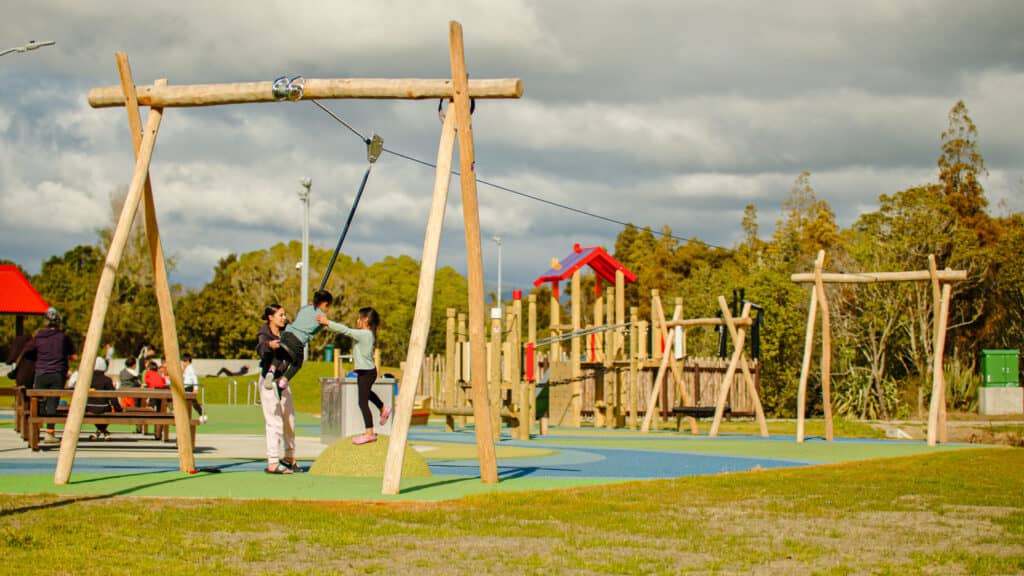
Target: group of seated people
point(142, 372)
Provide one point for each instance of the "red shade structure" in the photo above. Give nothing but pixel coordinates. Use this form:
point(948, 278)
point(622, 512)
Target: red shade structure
point(597, 258)
point(17, 296)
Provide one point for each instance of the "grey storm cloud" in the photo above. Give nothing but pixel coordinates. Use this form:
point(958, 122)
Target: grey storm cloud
point(657, 113)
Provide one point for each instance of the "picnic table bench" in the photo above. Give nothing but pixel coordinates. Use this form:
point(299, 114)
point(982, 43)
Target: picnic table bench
point(30, 421)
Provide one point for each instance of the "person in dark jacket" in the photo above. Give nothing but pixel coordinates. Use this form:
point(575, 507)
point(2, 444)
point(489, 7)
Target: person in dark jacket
point(278, 404)
point(53, 348)
point(24, 361)
point(100, 381)
point(129, 378)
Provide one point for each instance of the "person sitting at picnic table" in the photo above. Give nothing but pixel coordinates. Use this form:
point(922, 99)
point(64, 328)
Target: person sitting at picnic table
point(155, 380)
point(129, 378)
point(100, 381)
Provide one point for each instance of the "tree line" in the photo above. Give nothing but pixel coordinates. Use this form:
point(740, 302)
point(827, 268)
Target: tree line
point(881, 333)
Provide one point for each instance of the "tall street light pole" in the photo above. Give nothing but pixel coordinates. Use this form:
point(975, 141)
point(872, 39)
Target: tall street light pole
point(33, 45)
point(497, 240)
point(307, 184)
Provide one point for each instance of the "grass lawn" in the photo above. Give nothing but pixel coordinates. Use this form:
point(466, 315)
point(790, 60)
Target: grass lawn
point(943, 513)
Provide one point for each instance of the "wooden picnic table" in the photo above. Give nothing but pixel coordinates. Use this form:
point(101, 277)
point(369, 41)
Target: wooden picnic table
point(159, 416)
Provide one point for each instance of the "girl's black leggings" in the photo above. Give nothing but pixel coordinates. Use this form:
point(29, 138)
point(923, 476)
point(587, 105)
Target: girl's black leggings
point(365, 380)
point(294, 349)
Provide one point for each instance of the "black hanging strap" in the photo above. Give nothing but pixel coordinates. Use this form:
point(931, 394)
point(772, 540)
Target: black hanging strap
point(374, 146)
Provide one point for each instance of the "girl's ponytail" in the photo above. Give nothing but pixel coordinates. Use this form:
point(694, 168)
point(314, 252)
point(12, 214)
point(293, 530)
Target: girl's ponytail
point(372, 318)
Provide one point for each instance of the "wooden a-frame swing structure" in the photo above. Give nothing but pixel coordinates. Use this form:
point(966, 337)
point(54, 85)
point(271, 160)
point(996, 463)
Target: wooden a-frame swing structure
point(459, 90)
point(676, 328)
point(942, 292)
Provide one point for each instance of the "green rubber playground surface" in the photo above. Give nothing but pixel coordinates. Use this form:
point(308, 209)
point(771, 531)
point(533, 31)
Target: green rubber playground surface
point(565, 458)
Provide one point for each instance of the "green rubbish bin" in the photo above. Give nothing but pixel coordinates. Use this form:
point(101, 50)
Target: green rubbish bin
point(329, 353)
point(1000, 368)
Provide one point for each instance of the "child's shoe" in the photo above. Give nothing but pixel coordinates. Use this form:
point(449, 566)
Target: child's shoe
point(384, 415)
point(364, 439)
point(268, 381)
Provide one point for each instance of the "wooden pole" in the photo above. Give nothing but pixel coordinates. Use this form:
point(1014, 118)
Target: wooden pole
point(531, 387)
point(577, 372)
point(826, 346)
point(595, 353)
point(947, 294)
point(494, 377)
point(554, 313)
point(656, 335)
point(161, 286)
point(940, 307)
point(872, 277)
point(655, 393)
point(937, 334)
point(76, 410)
point(612, 382)
point(474, 260)
point(748, 378)
point(462, 343)
point(314, 88)
point(449, 359)
point(678, 372)
point(518, 381)
point(620, 311)
point(421, 316)
point(730, 372)
point(634, 371)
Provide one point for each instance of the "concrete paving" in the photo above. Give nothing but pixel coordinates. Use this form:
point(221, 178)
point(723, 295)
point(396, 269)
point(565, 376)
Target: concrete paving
point(130, 445)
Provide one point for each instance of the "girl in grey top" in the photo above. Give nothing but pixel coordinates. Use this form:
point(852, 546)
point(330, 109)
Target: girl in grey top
point(363, 336)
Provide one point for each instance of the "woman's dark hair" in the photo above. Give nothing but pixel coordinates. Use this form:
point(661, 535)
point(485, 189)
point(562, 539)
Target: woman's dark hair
point(270, 311)
point(129, 361)
point(152, 366)
point(321, 296)
point(372, 318)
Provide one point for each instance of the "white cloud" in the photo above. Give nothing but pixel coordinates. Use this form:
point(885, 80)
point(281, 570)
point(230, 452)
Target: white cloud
point(682, 117)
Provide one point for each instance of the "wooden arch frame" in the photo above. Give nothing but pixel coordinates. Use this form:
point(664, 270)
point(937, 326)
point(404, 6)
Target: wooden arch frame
point(459, 89)
point(738, 361)
point(942, 293)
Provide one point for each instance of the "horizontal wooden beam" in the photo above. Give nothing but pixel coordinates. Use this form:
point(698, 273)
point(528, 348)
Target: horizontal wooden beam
point(691, 322)
point(871, 277)
point(314, 88)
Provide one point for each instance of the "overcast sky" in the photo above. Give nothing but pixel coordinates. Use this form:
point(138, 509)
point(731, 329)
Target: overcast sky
point(677, 113)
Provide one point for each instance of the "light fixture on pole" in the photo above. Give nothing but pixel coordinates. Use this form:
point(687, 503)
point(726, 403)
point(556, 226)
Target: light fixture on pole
point(32, 45)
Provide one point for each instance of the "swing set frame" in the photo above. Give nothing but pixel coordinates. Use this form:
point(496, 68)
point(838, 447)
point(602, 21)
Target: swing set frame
point(459, 90)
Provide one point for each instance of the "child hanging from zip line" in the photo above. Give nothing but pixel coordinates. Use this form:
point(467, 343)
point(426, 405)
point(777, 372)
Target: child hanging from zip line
point(309, 320)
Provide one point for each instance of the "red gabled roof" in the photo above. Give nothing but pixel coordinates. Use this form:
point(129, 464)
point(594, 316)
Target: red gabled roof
point(595, 257)
point(17, 296)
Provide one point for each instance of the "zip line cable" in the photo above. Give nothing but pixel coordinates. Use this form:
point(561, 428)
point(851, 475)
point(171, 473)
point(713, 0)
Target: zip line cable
point(511, 190)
